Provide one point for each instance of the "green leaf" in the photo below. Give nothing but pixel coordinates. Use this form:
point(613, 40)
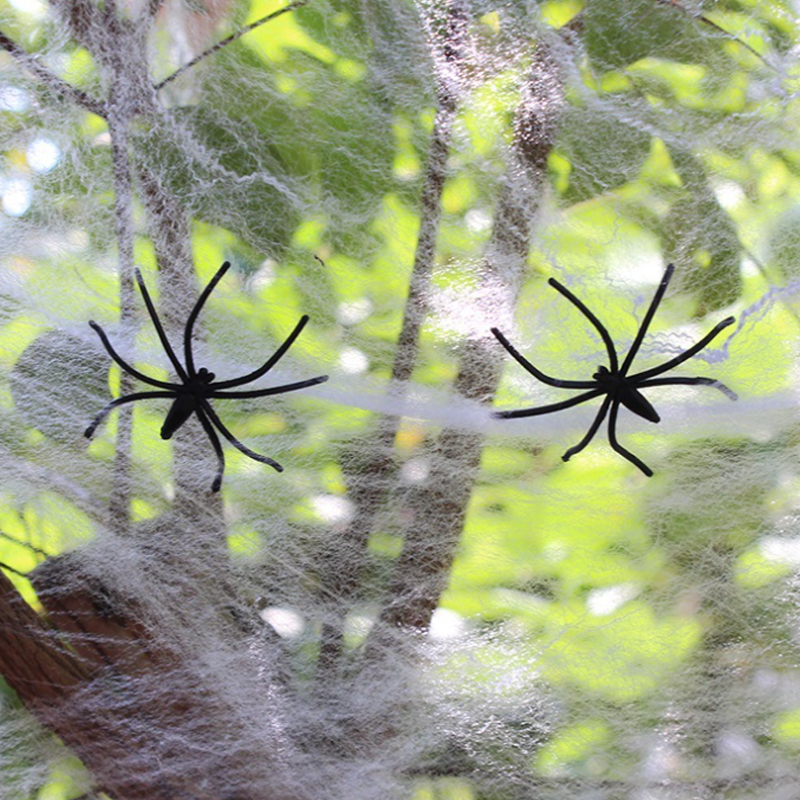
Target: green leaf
point(700, 237)
point(620, 32)
point(603, 152)
point(55, 380)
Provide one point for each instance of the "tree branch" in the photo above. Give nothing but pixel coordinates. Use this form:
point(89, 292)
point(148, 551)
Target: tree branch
point(439, 506)
point(228, 40)
point(170, 233)
point(123, 219)
point(52, 81)
point(340, 580)
point(84, 693)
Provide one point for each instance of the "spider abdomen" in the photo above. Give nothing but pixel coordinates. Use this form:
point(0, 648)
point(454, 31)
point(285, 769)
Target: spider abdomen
point(635, 401)
point(182, 408)
point(187, 402)
point(620, 388)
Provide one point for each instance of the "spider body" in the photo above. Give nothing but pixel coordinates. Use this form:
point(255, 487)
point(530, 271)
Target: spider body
point(187, 402)
point(198, 386)
point(618, 388)
point(615, 381)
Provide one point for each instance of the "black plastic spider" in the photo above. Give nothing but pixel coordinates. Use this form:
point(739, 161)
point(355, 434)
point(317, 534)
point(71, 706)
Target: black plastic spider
point(197, 387)
point(614, 381)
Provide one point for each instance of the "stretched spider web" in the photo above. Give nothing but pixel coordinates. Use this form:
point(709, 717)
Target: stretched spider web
point(428, 602)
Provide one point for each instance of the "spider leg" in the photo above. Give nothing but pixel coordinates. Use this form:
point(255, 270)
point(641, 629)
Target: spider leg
point(648, 318)
point(287, 387)
point(206, 407)
point(198, 306)
point(535, 412)
point(612, 439)
point(690, 382)
point(277, 355)
point(151, 309)
point(537, 373)
point(124, 364)
point(687, 354)
point(600, 416)
point(599, 327)
point(214, 439)
point(128, 398)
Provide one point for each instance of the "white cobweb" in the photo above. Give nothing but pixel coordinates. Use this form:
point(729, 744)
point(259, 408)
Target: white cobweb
point(427, 602)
